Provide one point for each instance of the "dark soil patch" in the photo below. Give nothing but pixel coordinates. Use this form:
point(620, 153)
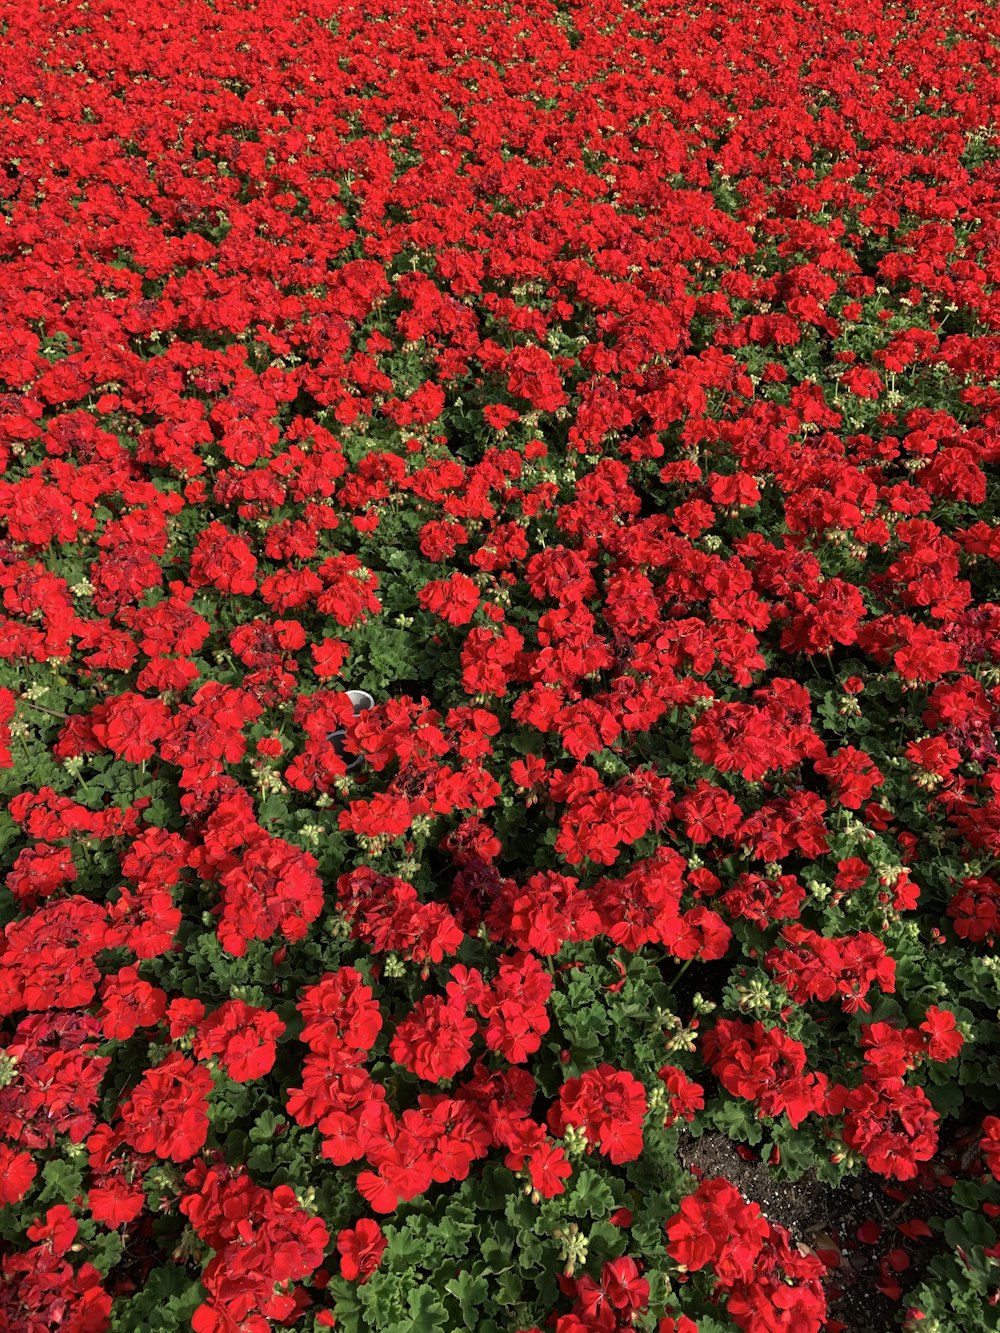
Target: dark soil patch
point(705, 979)
point(829, 1220)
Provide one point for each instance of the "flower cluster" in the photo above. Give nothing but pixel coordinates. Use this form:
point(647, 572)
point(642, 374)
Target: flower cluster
point(768, 1285)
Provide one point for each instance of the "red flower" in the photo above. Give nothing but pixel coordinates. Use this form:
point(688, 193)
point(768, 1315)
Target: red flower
point(863, 382)
point(894, 1126)
point(822, 967)
point(499, 416)
point(167, 1112)
point(990, 1144)
point(975, 909)
point(17, 1171)
point(273, 887)
point(130, 726)
point(852, 776)
point(453, 599)
point(943, 1039)
point(765, 1066)
point(39, 872)
point(242, 1037)
point(548, 1168)
point(531, 374)
point(685, 1096)
point(263, 1241)
point(609, 1105)
point(716, 1227)
point(223, 560)
point(515, 1010)
point(434, 1041)
point(129, 1004)
point(852, 874)
point(361, 1248)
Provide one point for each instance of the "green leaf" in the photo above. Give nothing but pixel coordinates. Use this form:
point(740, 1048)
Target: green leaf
point(63, 1181)
point(591, 1194)
point(737, 1122)
point(265, 1127)
point(426, 1310)
point(105, 1250)
point(470, 1292)
point(166, 1304)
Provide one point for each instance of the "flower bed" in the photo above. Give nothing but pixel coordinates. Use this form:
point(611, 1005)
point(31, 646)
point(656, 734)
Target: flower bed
point(610, 394)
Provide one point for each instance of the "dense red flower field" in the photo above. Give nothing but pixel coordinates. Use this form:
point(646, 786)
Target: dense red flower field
point(613, 393)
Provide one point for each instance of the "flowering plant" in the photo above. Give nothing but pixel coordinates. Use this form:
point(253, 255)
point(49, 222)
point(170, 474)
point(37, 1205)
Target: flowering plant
point(607, 394)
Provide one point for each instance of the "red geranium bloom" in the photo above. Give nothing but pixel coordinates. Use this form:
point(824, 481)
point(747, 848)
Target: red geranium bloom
point(167, 1112)
point(361, 1248)
point(243, 1038)
point(716, 1226)
point(610, 1105)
